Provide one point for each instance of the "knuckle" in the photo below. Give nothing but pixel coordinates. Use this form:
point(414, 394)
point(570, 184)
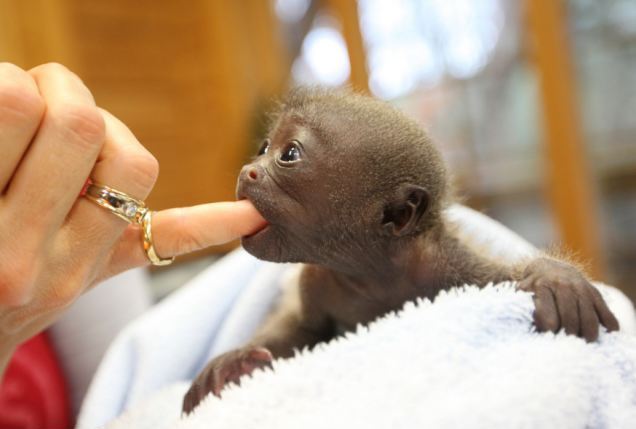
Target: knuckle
point(16, 283)
point(527, 286)
point(561, 282)
point(63, 295)
point(583, 286)
point(145, 169)
point(140, 167)
point(543, 282)
point(83, 122)
point(53, 67)
point(7, 68)
point(19, 97)
point(12, 73)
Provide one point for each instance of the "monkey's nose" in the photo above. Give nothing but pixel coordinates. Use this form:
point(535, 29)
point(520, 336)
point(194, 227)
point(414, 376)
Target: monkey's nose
point(252, 173)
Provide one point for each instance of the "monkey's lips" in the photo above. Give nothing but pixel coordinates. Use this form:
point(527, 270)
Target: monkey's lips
point(265, 242)
point(257, 232)
point(265, 225)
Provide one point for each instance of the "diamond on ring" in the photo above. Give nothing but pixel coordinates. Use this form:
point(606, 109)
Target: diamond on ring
point(119, 203)
point(130, 209)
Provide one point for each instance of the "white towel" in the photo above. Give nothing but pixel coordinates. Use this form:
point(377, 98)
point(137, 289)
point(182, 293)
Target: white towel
point(469, 360)
point(221, 308)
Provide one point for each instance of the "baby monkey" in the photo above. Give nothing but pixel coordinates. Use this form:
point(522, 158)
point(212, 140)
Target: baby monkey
point(355, 191)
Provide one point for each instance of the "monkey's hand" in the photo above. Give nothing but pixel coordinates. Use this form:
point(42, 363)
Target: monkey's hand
point(564, 298)
point(226, 368)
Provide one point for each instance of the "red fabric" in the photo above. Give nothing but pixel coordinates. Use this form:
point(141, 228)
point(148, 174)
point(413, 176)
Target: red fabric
point(33, 392)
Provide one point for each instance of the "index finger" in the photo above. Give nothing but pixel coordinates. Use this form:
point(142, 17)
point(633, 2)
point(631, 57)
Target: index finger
point(183, 230)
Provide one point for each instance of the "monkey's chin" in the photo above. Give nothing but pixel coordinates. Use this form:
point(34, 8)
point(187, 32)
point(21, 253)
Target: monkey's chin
point(265, 244)
point(261, 244)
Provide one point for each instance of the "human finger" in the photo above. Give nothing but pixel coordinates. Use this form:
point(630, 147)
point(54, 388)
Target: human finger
point(62, 154)
point(123, 164)
point(21, 109)
point(183, 230)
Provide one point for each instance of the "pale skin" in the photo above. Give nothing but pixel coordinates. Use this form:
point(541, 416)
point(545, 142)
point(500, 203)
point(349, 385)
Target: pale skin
point(53, 245)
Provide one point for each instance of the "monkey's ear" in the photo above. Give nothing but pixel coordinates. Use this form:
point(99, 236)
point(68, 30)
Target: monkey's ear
point(402, 215)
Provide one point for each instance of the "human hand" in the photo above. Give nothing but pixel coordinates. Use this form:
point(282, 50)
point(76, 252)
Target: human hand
point(54, 245)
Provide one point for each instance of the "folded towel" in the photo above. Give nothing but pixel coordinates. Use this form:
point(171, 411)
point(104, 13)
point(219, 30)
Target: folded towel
point(470, 357)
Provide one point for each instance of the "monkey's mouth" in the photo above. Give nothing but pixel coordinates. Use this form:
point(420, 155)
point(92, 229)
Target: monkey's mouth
point(265, 227)
point(254, 234)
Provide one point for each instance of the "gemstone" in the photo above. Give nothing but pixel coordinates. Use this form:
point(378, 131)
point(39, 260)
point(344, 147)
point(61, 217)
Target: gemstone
point(130, 209)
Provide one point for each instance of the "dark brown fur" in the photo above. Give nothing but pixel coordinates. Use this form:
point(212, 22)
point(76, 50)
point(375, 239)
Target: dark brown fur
point(363, 210)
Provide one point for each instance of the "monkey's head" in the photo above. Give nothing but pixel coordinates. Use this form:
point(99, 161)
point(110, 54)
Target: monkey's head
point(343, 180)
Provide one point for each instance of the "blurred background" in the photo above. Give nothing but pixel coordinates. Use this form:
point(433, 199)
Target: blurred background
point(531, 102)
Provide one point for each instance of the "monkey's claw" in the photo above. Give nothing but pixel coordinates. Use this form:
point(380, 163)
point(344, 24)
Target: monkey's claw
point(227, 368)
point(564, 298)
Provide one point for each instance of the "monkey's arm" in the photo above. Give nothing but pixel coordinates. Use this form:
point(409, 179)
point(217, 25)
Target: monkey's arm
point(296, 322)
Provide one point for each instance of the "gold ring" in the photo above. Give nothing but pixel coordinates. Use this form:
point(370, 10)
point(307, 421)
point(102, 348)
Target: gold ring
point(146, 224)
point(131, 210)
point(122, 205)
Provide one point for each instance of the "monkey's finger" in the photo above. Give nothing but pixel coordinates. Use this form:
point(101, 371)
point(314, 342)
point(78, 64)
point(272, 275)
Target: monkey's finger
point(605, 315)
point(211, 378)
point(546, 316)
point(200, 388)
point(589, 319)
point(233, 374)
point(183, 230)
point(191, 399)
point(228, 372)
point(256, 358)
point(258, 354)
point(568, 309)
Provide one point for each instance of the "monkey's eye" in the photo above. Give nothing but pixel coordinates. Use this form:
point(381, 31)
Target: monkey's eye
point(291, 153)
point(264, 147)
